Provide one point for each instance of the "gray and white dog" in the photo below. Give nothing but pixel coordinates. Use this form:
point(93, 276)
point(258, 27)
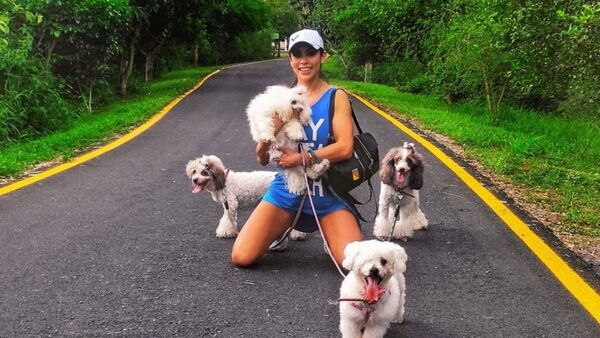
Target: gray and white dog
point(233, 190)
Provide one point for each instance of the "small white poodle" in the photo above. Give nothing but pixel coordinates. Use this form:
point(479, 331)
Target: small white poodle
point(233, 190)
point(293, 110)
point(401, 177)
point(372, 294)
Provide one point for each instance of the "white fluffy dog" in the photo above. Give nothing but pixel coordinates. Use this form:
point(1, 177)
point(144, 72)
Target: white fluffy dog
point(231, 189)
point(293, 110)
point(401, 177)
point(372, 294)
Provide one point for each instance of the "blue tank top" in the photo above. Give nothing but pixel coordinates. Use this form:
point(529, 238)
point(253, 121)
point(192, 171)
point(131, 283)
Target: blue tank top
point(317, 131)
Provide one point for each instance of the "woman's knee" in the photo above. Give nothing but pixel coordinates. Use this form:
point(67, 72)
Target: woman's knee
point(242, 259)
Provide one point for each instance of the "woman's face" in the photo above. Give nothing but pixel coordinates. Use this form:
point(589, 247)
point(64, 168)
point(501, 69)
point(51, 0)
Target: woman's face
point(306, 62)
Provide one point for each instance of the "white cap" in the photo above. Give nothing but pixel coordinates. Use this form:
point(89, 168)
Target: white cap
point(309, 36)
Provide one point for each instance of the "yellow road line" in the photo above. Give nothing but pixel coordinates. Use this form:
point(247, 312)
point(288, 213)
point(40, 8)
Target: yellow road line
point(110, 146)
point(583, 292)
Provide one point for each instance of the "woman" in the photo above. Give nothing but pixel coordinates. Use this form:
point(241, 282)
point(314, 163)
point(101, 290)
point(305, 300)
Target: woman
point(276, 211)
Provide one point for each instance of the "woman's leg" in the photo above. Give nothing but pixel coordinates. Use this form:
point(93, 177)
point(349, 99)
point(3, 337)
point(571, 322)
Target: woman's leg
point(340, 228)
point(266, 223)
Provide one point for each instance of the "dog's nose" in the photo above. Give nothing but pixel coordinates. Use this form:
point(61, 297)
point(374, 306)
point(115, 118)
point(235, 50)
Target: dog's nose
point(374, 271)
point(195, 180)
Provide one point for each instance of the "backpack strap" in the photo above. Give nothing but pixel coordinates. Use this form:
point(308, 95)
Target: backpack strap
point(350, 200)
point(331, 111)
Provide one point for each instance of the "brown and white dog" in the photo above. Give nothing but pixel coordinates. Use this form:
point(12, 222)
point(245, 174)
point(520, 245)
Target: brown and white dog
point(401, 177)
point(233, 190)
point(372, 294)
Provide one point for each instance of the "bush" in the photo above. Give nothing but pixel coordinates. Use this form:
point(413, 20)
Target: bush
point(396, 73)
point(422, 83)
point(251, 46)
point(30, 100)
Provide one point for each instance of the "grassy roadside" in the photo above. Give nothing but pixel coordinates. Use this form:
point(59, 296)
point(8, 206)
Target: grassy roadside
point(104, 123)
point(553, 161)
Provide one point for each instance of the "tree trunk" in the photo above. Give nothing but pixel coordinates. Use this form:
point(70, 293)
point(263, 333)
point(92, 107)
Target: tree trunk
point(368, 68)
point(89, 105)
point(489, 95)
point(152, 53)
point(196, 54)
point(149, 69)
point(49, 53)
point(128, 58)
point(344, 63)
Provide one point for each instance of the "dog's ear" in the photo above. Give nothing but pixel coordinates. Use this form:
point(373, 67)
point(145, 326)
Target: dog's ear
point(188, 168)
point(215, 166)
point(400, 259)
point(218, 175)
point(350, 252)
point(415, 180)
point(386, 174)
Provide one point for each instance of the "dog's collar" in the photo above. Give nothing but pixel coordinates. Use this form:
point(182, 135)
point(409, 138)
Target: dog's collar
point(225, 204)
point(402, 192)
point(361, 300)
point(361, 304)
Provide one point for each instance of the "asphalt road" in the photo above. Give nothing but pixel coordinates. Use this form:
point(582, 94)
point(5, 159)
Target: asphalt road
point(119, 246)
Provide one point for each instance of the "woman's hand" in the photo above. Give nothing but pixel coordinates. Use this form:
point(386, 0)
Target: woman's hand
point(288, 158)
point(262, 153)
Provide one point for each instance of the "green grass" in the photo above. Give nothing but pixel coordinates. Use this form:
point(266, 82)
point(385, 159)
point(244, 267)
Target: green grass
point(556, 159)
point(104, 123)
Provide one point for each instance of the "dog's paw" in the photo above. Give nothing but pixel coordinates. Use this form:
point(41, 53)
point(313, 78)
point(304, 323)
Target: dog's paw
point(318, 169)
point(403, 231)
point(421, 222)
point(226, 231)
point(296, 235)
point(381, 229)
point(295, 135)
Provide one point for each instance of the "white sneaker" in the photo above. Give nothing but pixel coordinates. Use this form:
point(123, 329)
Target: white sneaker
point(279, 244)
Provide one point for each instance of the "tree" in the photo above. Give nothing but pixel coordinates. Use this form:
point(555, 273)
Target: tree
point(472, 57)
point(79, 40)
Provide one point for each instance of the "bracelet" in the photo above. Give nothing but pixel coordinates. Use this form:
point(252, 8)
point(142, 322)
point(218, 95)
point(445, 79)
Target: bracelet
point(313, 156)
point(307, 161)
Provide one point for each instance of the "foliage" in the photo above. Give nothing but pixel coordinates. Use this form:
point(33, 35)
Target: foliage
point(286, 20)
point(116, 117)
point(471, 58)
point(522, 148)
point(252, 46)
point(30, 100)
point(539, 55)
point(59, 57)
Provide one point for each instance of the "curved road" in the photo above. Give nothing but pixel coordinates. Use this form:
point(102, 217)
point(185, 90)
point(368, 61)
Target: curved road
point(119, 246)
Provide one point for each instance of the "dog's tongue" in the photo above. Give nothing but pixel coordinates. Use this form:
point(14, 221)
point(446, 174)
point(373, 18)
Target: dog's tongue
point(400, 176)
point(373, 291)
point(197, 189)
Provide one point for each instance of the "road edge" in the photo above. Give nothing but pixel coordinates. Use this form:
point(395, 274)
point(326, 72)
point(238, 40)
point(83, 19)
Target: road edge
point(576, 285)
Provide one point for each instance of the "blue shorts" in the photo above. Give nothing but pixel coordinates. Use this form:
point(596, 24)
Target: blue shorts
point(325, 202)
